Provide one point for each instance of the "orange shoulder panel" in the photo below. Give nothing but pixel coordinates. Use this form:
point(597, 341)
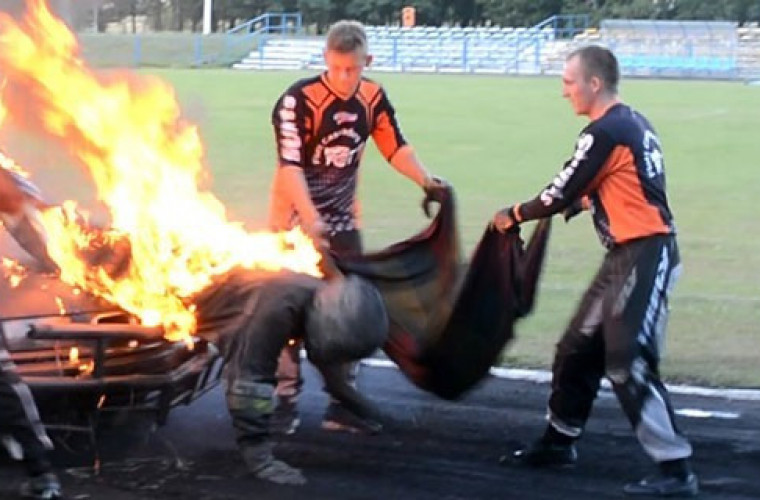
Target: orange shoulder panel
point(316, 92)
point(368, 91)
point(318, 98)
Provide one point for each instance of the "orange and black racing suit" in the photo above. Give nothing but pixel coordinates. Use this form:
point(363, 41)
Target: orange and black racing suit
point(325, 135)
point(618, 329)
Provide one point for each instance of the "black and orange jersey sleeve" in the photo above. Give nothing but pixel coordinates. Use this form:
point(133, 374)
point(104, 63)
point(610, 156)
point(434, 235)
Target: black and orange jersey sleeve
point(289, 118)
point(618, 164)
point(577, 177)
point(384, 127)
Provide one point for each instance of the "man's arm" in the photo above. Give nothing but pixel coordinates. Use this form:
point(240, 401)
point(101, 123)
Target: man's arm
point(405, 162)
point(592, 150)
point(393, 146)
point(292, 185)
point(337, 387)
point(289, 121)
point(15, 194)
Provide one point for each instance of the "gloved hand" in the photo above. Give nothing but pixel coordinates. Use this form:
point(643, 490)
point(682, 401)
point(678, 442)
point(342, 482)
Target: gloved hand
point(435, 188)
point(504, 219)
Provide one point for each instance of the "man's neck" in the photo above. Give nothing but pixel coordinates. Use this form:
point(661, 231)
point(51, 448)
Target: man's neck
point(602, 105)
point(342, 95)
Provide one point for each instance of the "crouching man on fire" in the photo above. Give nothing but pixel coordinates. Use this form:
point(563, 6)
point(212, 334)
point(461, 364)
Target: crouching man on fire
point(253, 315)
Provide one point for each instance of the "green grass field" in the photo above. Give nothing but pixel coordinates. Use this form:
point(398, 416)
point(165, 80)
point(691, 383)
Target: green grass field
point(499, 140)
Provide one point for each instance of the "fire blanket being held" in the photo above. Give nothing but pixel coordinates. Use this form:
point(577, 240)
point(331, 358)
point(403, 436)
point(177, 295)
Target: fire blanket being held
point(445, 335)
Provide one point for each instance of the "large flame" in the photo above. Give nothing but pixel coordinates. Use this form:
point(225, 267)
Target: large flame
point(146, 162)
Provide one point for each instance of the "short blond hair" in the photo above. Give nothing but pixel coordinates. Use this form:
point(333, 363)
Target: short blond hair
point(346, 37)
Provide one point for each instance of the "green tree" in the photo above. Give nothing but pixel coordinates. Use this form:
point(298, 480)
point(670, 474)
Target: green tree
point(518, 12)
point(374, 11)
point(316, 13)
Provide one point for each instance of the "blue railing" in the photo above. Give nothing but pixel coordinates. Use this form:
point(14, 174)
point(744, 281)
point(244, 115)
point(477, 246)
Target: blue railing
point(470, 48)
point(276, 23)
point(565, 26)
point(270, 22)
point(180, 49)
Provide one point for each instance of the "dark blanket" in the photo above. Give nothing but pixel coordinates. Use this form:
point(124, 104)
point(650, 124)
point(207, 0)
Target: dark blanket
point(447, 330)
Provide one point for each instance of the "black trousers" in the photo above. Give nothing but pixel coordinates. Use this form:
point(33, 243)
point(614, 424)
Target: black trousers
point(289, 378)
point(19, 418)
point(618, 332)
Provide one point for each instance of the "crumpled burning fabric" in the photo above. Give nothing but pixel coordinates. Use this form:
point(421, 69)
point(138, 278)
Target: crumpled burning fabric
point(447, 327)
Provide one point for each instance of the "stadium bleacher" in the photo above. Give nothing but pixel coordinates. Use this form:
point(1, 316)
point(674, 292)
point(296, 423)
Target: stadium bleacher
point(679, 49)
point(673, 48)
point(424, 48)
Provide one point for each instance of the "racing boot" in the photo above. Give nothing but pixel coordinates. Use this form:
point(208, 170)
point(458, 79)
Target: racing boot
point(546, 454)
point(262, 464)
point(675, 479)
point(42, 487)
point(339, 419)
point(554, 449)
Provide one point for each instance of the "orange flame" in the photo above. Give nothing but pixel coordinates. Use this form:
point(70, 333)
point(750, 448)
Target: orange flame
point(146, 162)
point(74, 355)
point(12, 271)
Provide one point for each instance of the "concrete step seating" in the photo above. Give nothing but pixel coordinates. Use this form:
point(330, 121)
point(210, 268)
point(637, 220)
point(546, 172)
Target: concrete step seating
point(422, 48)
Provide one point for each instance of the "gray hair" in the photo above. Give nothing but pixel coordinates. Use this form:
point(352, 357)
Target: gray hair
point(346, 37)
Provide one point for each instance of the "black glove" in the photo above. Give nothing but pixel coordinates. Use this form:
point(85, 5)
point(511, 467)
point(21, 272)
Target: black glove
point(435, 189)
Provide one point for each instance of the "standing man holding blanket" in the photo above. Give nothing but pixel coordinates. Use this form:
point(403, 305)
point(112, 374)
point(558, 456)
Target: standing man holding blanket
point(618, 331)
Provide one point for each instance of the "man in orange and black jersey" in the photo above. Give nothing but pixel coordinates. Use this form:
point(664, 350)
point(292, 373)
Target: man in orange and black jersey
point(617, 170)
point(321, 126)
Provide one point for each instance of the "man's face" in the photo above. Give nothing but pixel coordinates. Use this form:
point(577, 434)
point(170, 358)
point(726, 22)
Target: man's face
point(581, 92)
point(344, 69)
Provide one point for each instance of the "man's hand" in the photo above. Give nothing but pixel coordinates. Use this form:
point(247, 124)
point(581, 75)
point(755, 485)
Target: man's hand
point(434, 188)
point(317, 231)
point(504, 219)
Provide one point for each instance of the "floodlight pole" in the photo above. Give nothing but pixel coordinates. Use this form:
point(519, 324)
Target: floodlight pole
point(207, 8)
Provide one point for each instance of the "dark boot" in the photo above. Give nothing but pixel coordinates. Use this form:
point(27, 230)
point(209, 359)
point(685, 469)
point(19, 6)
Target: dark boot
point(546, 454)
point(42, 487)
point(554, 449)
point(675, 479)
point(339, 419)
point(262, 464)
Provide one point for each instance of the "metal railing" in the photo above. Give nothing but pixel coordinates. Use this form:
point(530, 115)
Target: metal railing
point(472, 49)
point(250, 33)
point(166, 49)
point(565, 26)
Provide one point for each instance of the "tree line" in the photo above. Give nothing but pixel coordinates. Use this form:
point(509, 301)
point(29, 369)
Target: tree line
point(186, 15)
